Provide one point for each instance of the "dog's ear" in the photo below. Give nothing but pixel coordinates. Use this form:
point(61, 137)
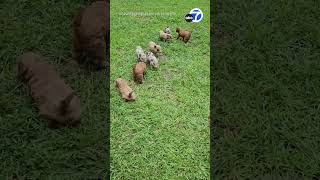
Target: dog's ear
point(65, 103)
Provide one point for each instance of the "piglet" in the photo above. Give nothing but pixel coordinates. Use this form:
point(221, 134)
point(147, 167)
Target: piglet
point(152, 60)
point(184, 34)
point(154, 48)
point(141, 56)
point(91, 35)
point(56, 100)
point(167, 30)
point(126, 92)
point(164, 36)
point(138, 72)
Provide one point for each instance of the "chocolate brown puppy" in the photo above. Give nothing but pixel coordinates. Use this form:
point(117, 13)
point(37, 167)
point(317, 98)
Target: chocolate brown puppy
point(126, 92)
point(185, 35)
point(139, 71)
point(164, 36)
point(56, 100)
point(91, 34)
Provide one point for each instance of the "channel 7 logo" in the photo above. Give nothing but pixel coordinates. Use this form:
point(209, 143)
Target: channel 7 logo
point(195, 15)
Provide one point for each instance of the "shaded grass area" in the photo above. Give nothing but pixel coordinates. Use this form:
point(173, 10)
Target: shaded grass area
point(165, 132)
point(267, 73)
point(29, 149)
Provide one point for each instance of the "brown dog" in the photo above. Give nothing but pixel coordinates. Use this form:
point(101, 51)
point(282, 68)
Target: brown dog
point(126, 92)
point(56, 100)
point(139, 72)
point(91, 34)
point(185, 35)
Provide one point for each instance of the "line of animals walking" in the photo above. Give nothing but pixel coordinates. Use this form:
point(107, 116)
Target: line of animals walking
point(57, 102)
point(151, 59)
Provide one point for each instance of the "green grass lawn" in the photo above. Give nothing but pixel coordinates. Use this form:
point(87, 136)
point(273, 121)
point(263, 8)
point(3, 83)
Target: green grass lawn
point(164, 134)
point(267, 71)
point(28, 148)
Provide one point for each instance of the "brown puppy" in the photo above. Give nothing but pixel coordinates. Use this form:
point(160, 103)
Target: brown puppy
point(185, 35)
point(138, 72)
point(56, 100)
point(126, 92)
point(164, 36)
point(91, 34)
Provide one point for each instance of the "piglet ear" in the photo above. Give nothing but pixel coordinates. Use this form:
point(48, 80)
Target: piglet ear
point(65, 103)
point(130, 94)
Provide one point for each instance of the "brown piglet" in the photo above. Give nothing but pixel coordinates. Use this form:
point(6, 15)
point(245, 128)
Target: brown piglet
point(154, 48)
point(139, 72)
point(164, 36)
point(126, 92)
point(56, 100)
point(184, 34)
point(91, 35)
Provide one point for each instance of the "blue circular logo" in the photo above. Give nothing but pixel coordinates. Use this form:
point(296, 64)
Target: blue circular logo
point(196, 14)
